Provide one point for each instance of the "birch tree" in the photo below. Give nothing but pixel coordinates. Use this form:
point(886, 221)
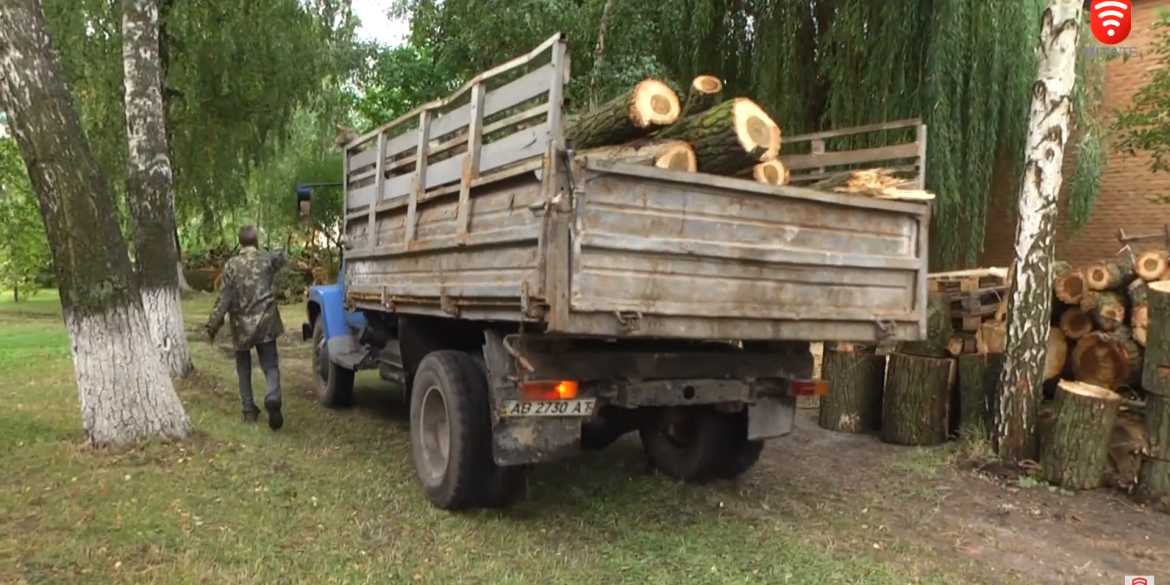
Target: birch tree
point(150, 188)
point(123, 397)
point(1030, 304)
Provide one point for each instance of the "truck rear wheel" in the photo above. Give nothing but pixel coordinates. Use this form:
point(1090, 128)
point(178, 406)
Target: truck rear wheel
point(334, 383)
point(689, 443)
point(743, 453)
point(450, 436)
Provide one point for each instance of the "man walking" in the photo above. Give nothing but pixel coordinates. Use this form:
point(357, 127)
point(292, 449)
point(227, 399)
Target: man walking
point(248, 297)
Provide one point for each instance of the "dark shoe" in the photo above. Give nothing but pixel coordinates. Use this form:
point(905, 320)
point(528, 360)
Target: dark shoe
point(275, 420)
point(251, 416)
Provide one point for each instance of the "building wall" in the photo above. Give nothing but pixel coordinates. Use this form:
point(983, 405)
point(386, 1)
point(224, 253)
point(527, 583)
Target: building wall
point(1127, 185)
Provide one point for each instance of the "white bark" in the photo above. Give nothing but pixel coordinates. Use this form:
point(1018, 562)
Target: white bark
point(1030, 304)
point(150, 184)
point(124, 398)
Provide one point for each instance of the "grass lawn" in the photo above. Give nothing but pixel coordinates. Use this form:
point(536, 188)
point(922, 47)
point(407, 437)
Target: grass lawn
point(332, 498)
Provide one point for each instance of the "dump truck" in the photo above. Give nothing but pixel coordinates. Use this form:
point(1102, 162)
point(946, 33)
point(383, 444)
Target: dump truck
point(533, 303)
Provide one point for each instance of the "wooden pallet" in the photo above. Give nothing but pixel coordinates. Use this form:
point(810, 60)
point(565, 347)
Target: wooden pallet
point(975, 295)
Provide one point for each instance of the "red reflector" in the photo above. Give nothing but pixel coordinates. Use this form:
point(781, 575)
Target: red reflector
point(807, 388)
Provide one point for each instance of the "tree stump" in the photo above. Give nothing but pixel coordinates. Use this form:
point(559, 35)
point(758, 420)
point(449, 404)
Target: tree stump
point(1156, 368)
point(978, 380)
point(855, 377)
point(916, 404)
point(939, 329)
point(1154, 484)
point(1076, 456)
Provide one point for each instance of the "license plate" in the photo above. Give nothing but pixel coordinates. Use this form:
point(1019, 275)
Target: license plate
point(581, 407)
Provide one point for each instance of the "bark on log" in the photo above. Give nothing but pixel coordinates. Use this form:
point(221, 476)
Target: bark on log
point(772, 172)
point(1071, 287)
point(1057, 353)
point(1127, 449)
point(1075, 323)
point(1107, 308)
point(978, 378)
point(125, 392)
point(1151, 265)
point(917, 400)
point(1108, 359)
point(1154, 485)
point(1139, 314)
point(1156, 368)
point(637, 113)
point(703, 95)
point(938, 329)
point(1076, 456)
point(732, 136)
point(673, 154)
point(1109, 274)
point(855, 377)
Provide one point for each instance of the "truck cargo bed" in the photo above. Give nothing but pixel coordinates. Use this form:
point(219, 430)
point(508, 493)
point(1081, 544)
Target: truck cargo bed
point(590, 247)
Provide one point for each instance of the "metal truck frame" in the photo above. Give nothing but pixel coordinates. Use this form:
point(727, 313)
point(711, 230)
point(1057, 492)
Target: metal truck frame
point(533, 303)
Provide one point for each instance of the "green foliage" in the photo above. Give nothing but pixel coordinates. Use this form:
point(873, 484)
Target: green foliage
point(395, 80)
point(1144, 126)
point(1088, 121)
point(24, 250)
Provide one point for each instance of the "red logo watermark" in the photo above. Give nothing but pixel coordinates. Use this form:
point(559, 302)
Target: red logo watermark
point(1110, 20)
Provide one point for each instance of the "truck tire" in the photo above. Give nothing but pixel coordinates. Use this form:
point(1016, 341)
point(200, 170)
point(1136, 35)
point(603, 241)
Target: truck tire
point(334, 383)
point(509, 484)
point(743, 452)
point(690, 443)
point(450, 432)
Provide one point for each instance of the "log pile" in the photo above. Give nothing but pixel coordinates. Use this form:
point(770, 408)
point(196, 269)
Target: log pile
point(707, 132)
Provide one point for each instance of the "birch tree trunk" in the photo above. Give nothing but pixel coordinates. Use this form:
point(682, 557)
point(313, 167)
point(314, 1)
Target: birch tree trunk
point(123, 397)
point(1030, 304)
point(150, 186)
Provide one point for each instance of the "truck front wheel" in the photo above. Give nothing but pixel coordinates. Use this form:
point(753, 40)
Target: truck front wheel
point(334, 383)
point(450, 430)
point(697, 444)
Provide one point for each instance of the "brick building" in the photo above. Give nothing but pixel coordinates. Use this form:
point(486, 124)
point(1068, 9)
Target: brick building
point(1127, 185)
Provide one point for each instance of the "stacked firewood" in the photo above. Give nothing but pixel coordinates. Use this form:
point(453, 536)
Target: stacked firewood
point(705, 133)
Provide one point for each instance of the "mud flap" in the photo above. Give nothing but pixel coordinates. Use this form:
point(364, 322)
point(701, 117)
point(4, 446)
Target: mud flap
point(522, 440)
point(771, 416)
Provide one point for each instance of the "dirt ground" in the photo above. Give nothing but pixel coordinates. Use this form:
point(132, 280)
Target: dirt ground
point(1034, 533)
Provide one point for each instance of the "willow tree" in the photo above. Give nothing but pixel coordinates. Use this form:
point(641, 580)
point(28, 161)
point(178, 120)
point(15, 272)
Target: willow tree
point(150, 188)
point(123, 397)
point(1030, 302)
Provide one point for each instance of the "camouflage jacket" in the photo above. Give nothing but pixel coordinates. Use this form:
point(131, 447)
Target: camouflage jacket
point(248, 297)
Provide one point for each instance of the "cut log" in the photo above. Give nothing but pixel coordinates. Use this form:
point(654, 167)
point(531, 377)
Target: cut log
point(938, 329)
point(1108, 359)
point(1109, 274)
point(1154, 484)
point(772, 172)
point(978, 379)
point(1138, 311)
point(1076, 456)
point(855, 377)
point(704, 95)
point(1071, 287)
point(991, 337)
point(1127, 448)
point(1076, 323)
point(638, 112)
point(1057, 353)
point(732, 136)
point(1156, 372)
point(916, 404)
point(1151, 265)
point(669, 154)
point(1107, 308)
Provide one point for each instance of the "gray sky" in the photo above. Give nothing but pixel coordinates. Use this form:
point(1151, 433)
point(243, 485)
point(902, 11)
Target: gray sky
point(376, 25)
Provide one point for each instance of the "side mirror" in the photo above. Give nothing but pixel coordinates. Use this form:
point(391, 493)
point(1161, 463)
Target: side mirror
point(304, 200)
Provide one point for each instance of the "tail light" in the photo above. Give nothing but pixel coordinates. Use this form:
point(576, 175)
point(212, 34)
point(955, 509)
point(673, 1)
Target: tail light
point(807, 388)
point(548, 390)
